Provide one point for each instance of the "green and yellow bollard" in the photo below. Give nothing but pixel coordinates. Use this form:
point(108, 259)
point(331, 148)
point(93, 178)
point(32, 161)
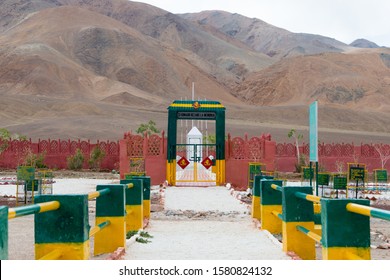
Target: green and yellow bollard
point(297, 212)
point(256, 198)
point(271, 206)
point(317, 218)
point(3, 233)
point(110, 218)
point(146, 194)
point(134, 206)
point(256, 214)
point(345, 235)
point(65, 230)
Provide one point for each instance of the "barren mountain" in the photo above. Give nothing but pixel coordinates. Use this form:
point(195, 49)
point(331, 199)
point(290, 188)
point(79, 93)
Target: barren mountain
point(351, 80)
point(264, 37)
point(95, 69)
point(363, 43)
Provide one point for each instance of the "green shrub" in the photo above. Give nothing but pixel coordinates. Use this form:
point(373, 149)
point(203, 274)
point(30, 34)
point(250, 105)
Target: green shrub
point(149, 128)
point(301, 163)
point(76, 161)
point(35, 160)
point(96, 157)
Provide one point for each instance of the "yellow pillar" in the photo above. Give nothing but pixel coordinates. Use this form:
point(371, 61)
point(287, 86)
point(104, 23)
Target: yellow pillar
point(293, 240)
point(269, 221)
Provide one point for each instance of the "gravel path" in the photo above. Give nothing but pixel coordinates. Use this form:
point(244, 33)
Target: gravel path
point(202, 224)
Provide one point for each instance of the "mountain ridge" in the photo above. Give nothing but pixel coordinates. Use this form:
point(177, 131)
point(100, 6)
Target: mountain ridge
point(93, 69)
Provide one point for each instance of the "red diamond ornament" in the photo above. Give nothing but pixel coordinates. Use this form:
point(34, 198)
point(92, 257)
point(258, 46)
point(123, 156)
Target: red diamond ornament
point(207, 162)
point(183, 162)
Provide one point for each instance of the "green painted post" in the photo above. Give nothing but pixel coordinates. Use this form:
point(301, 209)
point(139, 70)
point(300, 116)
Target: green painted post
point(65, 229)
point(134, 205)
point(271, 202)
point(256, 214)
point(344, 233)
point(110, 208)
point(297, 212)
point(3, 233)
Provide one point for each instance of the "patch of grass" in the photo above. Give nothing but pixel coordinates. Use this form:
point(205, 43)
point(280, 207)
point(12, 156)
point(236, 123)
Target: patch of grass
point(145, 234)
point(131, 233)
point(142, 240)
point(144, 237)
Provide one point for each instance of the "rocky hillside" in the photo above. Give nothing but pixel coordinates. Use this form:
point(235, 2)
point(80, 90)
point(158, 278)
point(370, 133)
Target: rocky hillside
point(349, 80)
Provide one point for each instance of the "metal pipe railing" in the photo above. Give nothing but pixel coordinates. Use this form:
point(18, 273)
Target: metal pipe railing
point(276, 187)
point(368, 211)
point(277, 214)
point(32, 209)
point(310, 233)
point(98, 228)
point(308, 197)
point(96, 194)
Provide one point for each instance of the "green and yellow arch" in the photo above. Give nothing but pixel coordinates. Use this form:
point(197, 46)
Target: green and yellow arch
point(196, 110)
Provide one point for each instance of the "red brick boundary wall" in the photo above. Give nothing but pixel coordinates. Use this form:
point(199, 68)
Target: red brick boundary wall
point(56, 152)
point(147, 154)
point(240, 151)
point(333, 156)
point(150, 152)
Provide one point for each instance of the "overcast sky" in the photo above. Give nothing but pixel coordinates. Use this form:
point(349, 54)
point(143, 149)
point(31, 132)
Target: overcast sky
point(344, 20)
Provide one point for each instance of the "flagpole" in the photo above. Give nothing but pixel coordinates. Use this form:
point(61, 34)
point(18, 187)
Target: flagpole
point(193, 98)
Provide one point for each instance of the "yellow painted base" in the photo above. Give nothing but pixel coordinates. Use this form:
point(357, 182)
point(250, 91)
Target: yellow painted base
point(134, 217)
point(220, 172)
point(346, 253)
point(146, 206)
point(269, 221)
point(69, 251)
point(318, 229)
point(111, 237)
point(298, 242)
point(317, 208)
point(256, 214)
point(171, 173)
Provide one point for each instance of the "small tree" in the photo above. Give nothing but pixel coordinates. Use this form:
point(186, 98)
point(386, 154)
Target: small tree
point(35, 160)
point(301, 161)
point(384, 154)
point(76, 161)
point(6, 137)
point(149, 128)
point(209, 139)
point(96, 157)
point(340, 166)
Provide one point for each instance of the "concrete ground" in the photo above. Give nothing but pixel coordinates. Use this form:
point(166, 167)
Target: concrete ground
point(195, 223)
point(203, 224)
